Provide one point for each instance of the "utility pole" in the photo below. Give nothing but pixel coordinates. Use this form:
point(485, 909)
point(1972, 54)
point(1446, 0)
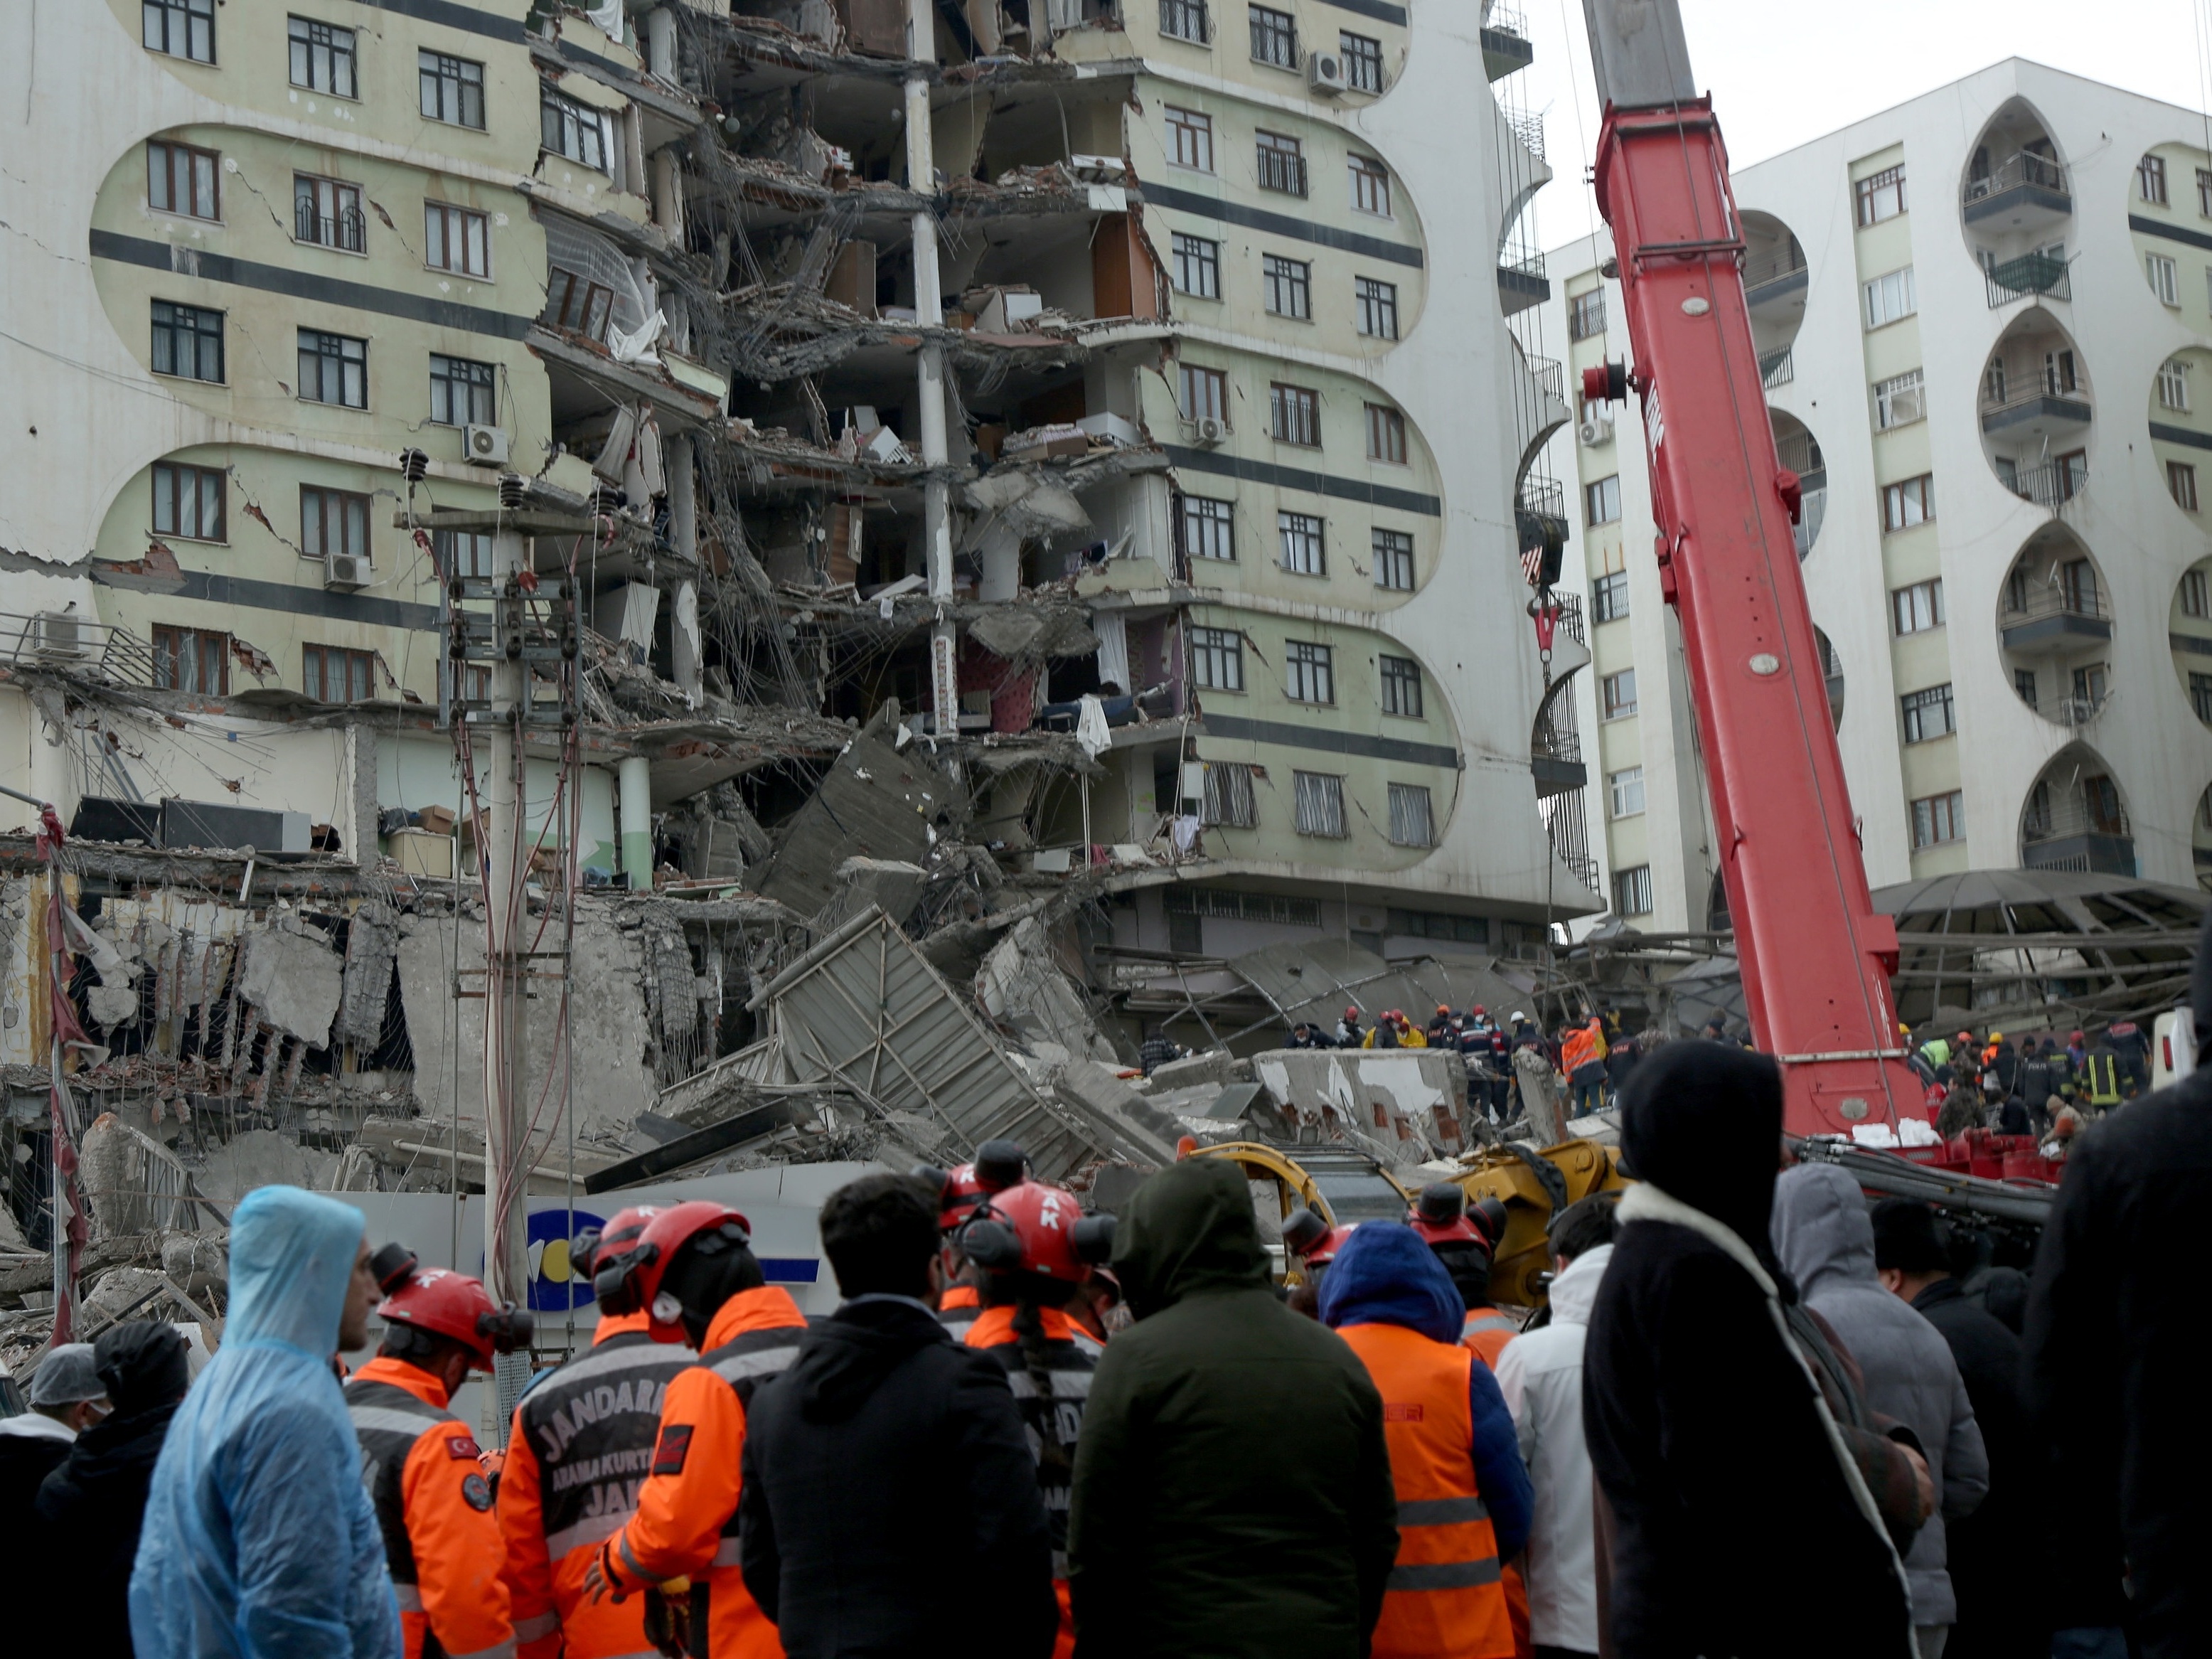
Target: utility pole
point(507, 937)
point(929, 371)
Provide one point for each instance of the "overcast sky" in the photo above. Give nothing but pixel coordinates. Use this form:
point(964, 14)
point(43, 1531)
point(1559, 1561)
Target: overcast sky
point(1781, 73)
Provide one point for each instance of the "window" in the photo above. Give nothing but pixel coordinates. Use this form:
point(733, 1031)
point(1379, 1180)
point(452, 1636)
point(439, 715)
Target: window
point(333, 369)
point(463, 393)
point(1228, 798)
point(1939, 818)
point(1274, 38)
point(1197, 267)
point(1294, 413)
point(1363, 61)
point(577, 305)
point(462, 552)
point(1379, 306)
point(1890, 297)
point(188, 503)
point(182, 179)
point(187, 342)
point(1186, 20)
point(1386, 434)
point(1412, 823)
point(2058, 375)
point(1288, 285)
point(2196, 595)
point(1881, 197)
point(1586, 314)
point(1205, 393)
point(2159, 272)
point(1394, 559)
point(1319, 801)
point(1609, 597)
point(1311, 676)
point(1618, 694)
point(328, 214)
point(1217, 658)
point(1281, 164)
point(192, 660)
point(1190, 139)
point(1927, 714)
point(2150, 178)
point(1631, 892)
point(1624, 793)
point(1401, 686)
point(1900, 400)
point(452, 89)
point(1906, 504)
point(2023, 681)
point(1371, 185)
point(1602, 500)
point(2173, 385)
point(1209, 527)
point(456, 238)
point(1300, 534)
point(1917, 608)
point(333, 674)
point(2181, 484)
point(182, 28)
point(571, 129)
point(1439, 925)
point(322, 57)
point(332, 521)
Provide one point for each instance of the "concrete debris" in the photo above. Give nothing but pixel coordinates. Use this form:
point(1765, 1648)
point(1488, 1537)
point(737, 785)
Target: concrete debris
point(293, 979)
point(887, 884)
point(263, 1158)
point(1409, 1104)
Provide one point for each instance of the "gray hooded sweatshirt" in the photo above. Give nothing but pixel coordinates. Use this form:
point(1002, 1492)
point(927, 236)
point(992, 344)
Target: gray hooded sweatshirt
point(1825, 1240)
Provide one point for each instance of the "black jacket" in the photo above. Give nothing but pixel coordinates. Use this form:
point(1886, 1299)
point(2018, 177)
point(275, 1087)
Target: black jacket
point(89, 1512)
point(26, 1459)
point(889, 1506)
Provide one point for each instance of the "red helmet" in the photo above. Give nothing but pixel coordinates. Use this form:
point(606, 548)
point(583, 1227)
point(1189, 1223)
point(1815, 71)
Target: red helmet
point(627, 1280)
point(447, 1303)
point(1311, 1239)
point(1439, 1216)
point(615, 1237)
point(962, 1190)
point(1352, 1013)
point(1036, 1229)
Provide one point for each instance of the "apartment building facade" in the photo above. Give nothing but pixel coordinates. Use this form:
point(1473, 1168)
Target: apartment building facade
point(1981, 320)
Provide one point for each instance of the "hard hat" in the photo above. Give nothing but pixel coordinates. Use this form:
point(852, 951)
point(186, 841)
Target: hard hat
point(628, 1280)
point(997, 1165)
point(1439, 1216)
point(1443, 1007)
point(615, 1237)
point(1488, 1216)
point(1036, 1229)
point(1478, 1009)
point(1352, 1013)
point(1312, 1240)
point(1517, 1014)
point(447, 1303)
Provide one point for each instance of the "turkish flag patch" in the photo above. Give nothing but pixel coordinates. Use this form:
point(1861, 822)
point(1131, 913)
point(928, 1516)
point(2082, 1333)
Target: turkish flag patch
point(674, 1447)
point(1400, 1413)
point(462, 1448)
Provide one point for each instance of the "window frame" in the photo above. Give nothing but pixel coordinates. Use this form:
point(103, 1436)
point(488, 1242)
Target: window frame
point(315, 664)
point(1911, 602)
point(443, 69)
point(1868, 195)
point(193, 13)
point(1601, 496)
point(344, 200)
point(1229, 800)
point(299, 48)
point(176, 327)
point(446, 544)
point(1899, 499)
point(1392, 552)
point(1317, 806)
point(1612, 705)
point(1399, 681)
point(179, 473)
point(481, 377)
point(351, 509)
point(173, 152)
point(561, 115)
point(1914, 707)
point(1359, 53)
point(1279, 163)
point(1301, 542)
point(1203, 524)
point(1196, 127)
point(2181, 485)
point(2172, 381)
point(1618, 786)
point(1386, 443)
point(1173, 12)
point(1586, 314)
point(1908, 292)
point(1938, 820)
point(1194, 377)
point(2196, 594)
point(1409, 793)
point(1631, 890)
point(1310, 665)
point(1368, 176)
point(1287, 287)
point(1190, 254)
point(1886, 394)
point(445, 214)
point(1376, 303)
point(1217, 650)
point(2164, 275)
point(2150, 180)
point(324, 357)
point(563, 287)
point(1609, 596)
point(1279, 32)
point(171, 644)
point(1292, 409)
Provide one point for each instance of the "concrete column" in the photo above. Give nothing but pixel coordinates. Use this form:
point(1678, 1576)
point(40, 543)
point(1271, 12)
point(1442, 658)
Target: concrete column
point(634, 151)
point(667, 192)
point(633, 783)
point(929, 373)
point(683, 536)
point(660, 43)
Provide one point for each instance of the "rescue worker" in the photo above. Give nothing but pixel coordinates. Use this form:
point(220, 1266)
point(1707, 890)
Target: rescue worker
point(997, 1165)
point(421, 1464)
point(1582, 1060)
point(1464, 1496)
point(1409, 1034)
point(691, 1271)
point(1440, 1218)
point(1036, 1248)
point(2101, 1075)
point(582, 1441)
point(1348, 1034)
point(1313, 1245)
point(1443, 1032)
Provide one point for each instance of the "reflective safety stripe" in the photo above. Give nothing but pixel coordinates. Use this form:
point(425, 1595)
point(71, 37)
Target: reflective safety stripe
point(369, 1419)
point(410, 1599)
point(726, 1553)
point(585, 1533)
point(1490, 1322)
point(1441, 1511)
point(1443, 1575)
point(529, 1629)
point(504, 1650)
point(761, 1362)
point(630, 1562)
point(601, 1362)
point(1065, 1385)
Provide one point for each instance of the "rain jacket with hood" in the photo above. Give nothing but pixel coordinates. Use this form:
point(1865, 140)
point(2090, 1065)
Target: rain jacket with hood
point(259, 1540)
point(1541, 1377)
point(1713, 1445)
point(1232, 1486)
point(1825, 1239)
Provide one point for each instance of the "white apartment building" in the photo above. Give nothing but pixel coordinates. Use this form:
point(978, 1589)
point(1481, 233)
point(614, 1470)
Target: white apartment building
point(1981, 319)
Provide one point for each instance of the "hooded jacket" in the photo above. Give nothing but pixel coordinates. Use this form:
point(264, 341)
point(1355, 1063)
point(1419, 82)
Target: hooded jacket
point(259, 1539)
point(1825, 1240)
point(881, 1401)
point(1232, 1486)
point(1539, 1376)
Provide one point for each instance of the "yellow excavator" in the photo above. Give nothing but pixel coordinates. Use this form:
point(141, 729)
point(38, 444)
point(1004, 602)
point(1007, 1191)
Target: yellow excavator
point(1342, 1186)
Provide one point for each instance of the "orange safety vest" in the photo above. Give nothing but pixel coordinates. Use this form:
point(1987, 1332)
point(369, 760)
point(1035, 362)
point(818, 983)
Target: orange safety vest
point(1445, 1597)
point(1487, 1331)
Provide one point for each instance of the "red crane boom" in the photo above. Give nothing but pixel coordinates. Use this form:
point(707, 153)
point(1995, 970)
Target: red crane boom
point(1816, 956)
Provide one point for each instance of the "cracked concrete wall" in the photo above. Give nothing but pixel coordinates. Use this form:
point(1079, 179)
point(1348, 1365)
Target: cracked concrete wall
point(293, 977)
point(372, 944)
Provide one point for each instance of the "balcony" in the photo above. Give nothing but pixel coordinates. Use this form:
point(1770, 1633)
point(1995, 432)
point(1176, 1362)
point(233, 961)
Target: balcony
point(2047, 410)
point(345, 229)
point(2050, 485)
point(1540, 518)
point(1774, 276)
point(2067, 834)
point(65, 642)
point(1555, 761)
point(2056, 620)
point(1521, 283)
point(2025, 192)
point(1776, 369)
point(2030, 274)
point(1505, 46)
point(1528, 130)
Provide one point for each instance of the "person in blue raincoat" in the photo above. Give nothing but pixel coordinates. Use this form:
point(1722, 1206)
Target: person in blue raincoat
point(259, 1541)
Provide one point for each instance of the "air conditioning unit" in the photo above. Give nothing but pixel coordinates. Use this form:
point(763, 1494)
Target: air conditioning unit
point(346, 572)
point(58, 633)
point(1325, 73)
point(1210, 430)
point(1597, 430)
point(483, 445)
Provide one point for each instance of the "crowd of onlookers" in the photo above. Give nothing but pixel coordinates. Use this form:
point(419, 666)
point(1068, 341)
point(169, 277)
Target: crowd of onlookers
point(2046, 1083)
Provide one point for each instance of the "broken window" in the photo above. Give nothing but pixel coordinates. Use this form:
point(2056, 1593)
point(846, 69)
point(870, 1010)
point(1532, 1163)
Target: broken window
point(1294, 412)
point(1319, 804)
point(1282, 163)
point(1363, 61)
point(332, 521)
point(452, 89)
point(1411, 822)
point(182, 179)
point(463, 393)
point(1401, 686)
point(188, 501)
point(1310, 671)
point(334, 674)
point(187, 342)
point(1371, 185)
point(192, 660)
point(572, 129)
point(1228, 799)
point(1186, 20)
point(1274, 38)
point(1378, 310)
point(1190, 139)
point(333, 369)
point(455, 238)
point(1217, 658)
point(1288, 284)
point(1205, 393)
point(1386, 434)
point(322, 57)
point(327, 213)
point(1197, 267)
point(1394, 559)
point(578, 305)
point(1300, 534)
point(1209, 527)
